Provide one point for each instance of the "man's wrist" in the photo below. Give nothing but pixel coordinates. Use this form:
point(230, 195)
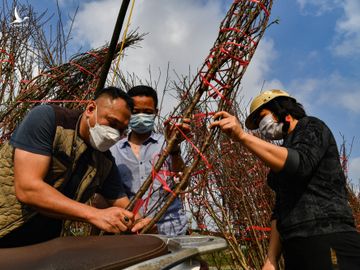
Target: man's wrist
point(175, 151)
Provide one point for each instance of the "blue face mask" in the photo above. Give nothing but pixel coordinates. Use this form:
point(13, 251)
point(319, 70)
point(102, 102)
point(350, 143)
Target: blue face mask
point(142, 123)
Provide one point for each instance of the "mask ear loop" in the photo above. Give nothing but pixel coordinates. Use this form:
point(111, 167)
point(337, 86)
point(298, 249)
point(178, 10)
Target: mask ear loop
point(286, 124)
point(96, 115)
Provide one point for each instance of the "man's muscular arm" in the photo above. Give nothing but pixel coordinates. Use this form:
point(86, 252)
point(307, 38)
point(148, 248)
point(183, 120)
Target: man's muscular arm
point(30, 170)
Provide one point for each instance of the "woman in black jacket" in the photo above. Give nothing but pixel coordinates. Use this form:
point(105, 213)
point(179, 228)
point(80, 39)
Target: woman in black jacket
point(312, 222)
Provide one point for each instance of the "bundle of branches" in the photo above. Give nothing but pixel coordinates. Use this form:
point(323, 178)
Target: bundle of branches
point(233, 201)
point(71, 83)
point(213, 89)
point(354, 200)
point(354, 193)
point(31, 73)
point(19, 56)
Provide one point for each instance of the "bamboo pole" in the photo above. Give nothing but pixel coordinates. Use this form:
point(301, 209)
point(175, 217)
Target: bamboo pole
point(113, 43)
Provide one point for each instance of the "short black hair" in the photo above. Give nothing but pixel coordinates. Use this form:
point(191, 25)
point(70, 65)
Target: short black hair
point(114, 93)
point(144, 90)
point(282, 106)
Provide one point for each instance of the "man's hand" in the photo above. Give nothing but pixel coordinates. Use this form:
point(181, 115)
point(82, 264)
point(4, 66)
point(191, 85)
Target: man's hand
point(136, 221)
point(171, 128)
point(112, 219)
point(140, 223)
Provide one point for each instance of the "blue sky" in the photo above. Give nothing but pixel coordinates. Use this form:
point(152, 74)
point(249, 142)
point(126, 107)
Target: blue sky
point(314, 53)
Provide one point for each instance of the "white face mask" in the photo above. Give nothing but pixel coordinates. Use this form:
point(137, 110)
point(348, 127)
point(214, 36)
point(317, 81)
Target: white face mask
point(102, 137)
point(270, 129)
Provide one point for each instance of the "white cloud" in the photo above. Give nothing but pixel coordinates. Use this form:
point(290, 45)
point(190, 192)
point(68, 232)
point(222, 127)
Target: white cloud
point(317, 7)
point(347, 41)
point(305, 89)
point(333, 91)
point(180, 32)
point(341, 91)
point(354, 170)
point(253, 82)
point(347, 37)
point(63, 3)
point(95, 22)
point(171, 26)
point(351, 101)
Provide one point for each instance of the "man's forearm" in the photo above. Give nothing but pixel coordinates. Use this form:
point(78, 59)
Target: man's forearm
point(121, 202)
point(51, 202)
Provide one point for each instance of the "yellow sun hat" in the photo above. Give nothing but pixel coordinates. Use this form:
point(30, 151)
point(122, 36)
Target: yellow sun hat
point(259, 101)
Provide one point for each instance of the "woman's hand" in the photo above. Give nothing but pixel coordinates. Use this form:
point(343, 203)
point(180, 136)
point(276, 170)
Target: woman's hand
point(229, 124)
point(269, 265)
